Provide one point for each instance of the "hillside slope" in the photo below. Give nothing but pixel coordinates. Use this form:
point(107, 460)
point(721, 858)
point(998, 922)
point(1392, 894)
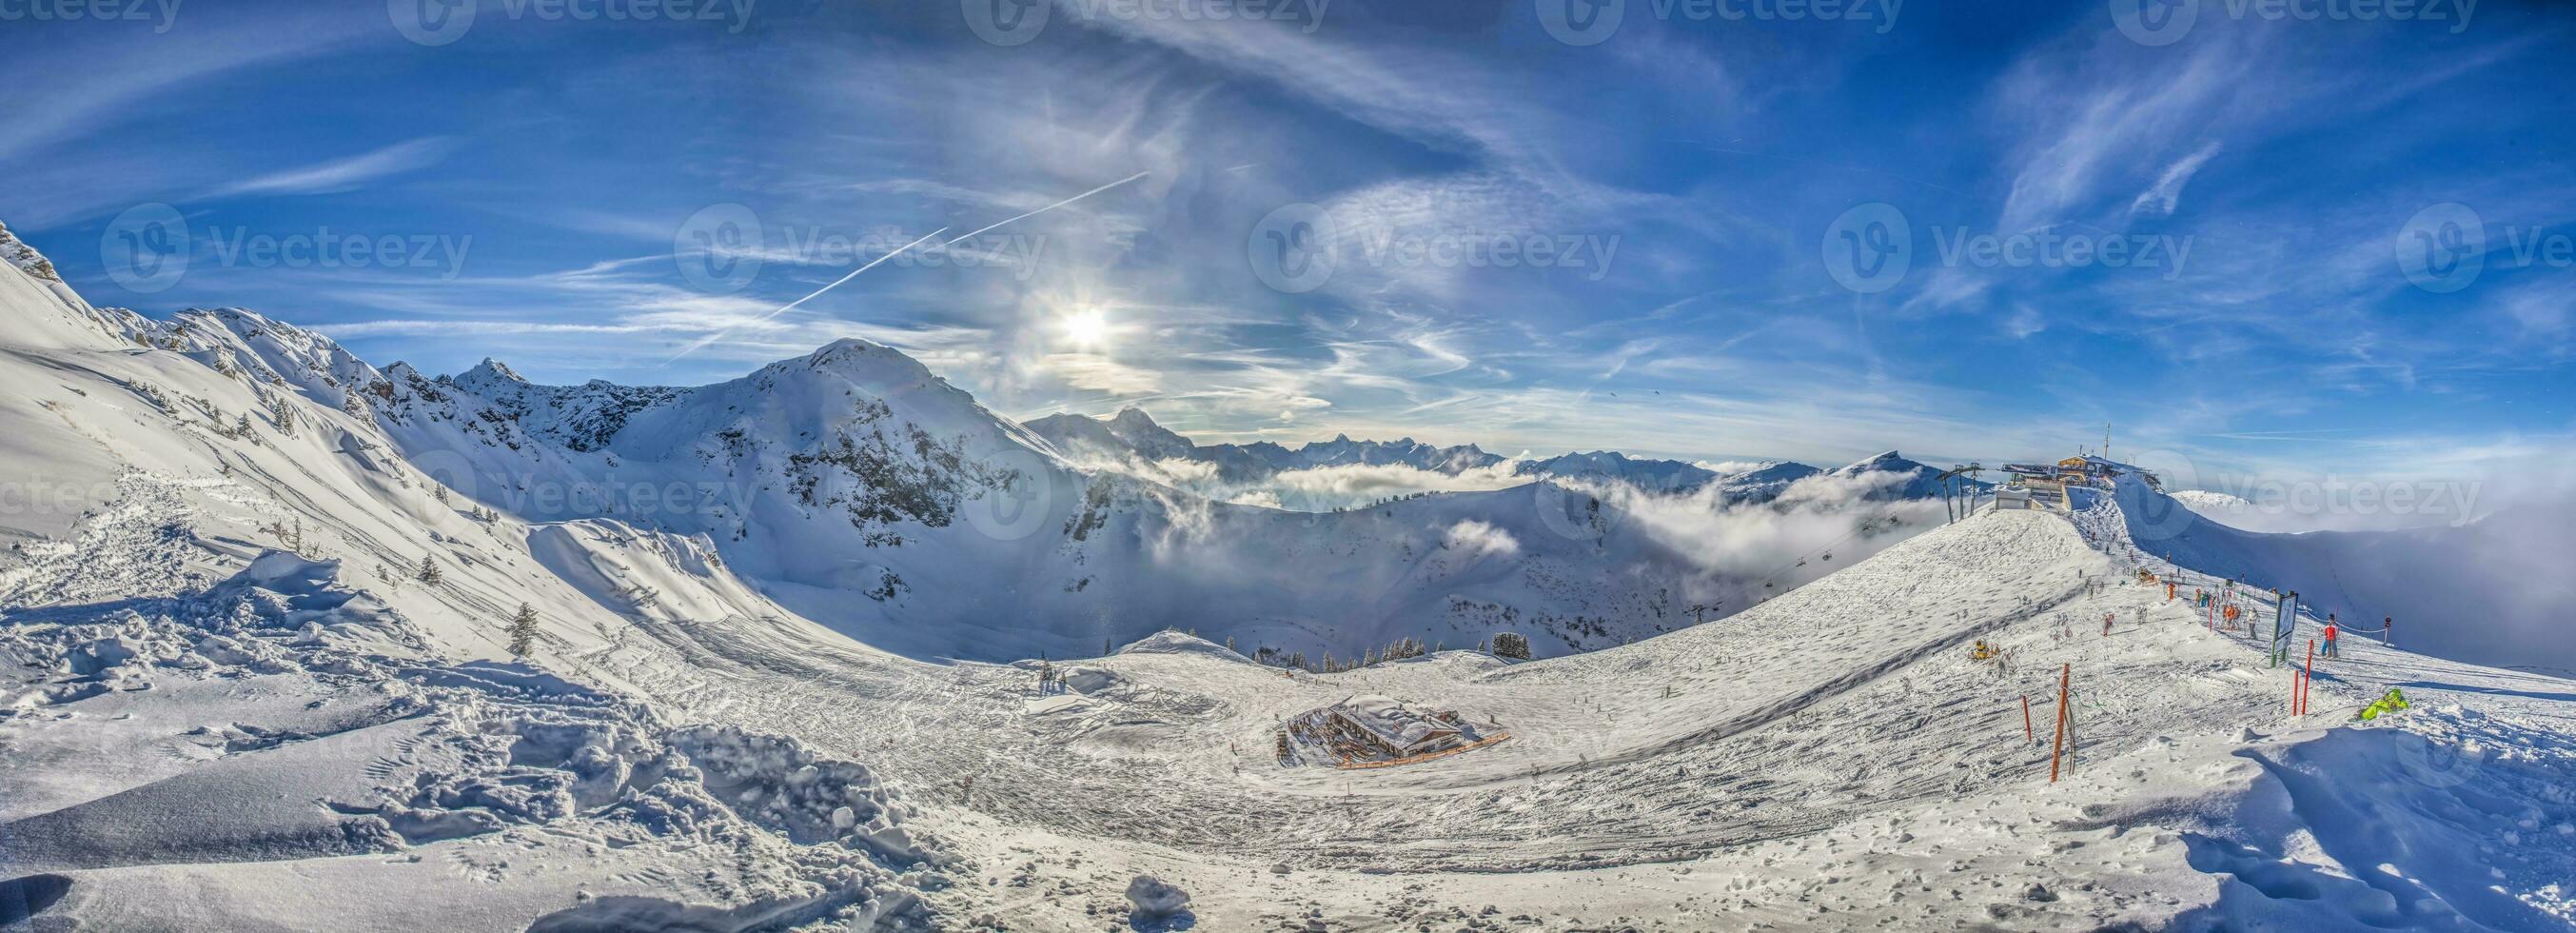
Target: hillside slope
point(2490, 592)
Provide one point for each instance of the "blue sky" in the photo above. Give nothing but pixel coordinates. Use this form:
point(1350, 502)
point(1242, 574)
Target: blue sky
point(1713, 206)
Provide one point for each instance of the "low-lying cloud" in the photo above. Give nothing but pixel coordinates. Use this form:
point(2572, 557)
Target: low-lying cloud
point(1317, 489)
point(1481, 539)
point(1818, 524)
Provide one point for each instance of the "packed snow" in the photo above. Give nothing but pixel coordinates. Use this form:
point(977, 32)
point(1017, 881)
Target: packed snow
point(259, 601)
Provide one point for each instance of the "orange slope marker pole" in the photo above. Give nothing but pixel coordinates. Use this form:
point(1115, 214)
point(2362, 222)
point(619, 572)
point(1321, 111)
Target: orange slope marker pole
point(2063, 675)
point(2026, 733)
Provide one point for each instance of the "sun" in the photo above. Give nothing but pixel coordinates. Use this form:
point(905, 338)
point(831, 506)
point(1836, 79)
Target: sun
point(1086, 327)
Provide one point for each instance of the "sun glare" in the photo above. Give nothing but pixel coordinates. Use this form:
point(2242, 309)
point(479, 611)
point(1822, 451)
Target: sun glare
point(1086, 327)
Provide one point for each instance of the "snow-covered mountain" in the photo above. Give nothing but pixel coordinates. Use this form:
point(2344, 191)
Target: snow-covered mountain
point(858, 489)
point(1611, 465)
point(2487, 592)
point(1132, 436)
point(1132, 442)
point(257, 595)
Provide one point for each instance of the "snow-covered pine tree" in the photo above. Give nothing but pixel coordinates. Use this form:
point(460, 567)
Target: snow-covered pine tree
point(283, 414)
point(428, 572)
point(241, 426)
point(523, 632)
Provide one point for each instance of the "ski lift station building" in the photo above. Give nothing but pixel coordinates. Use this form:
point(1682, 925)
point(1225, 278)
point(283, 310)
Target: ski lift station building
point(2032, 485)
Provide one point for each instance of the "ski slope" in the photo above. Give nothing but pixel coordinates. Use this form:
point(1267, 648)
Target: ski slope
point(2490, 592)
point(228, 700)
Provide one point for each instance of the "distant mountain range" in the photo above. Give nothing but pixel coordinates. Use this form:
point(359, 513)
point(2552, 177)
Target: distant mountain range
point(1132, 437)
point(854, 487)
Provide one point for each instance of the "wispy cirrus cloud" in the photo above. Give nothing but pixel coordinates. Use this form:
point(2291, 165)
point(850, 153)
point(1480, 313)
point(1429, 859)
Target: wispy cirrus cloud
point(347, 173)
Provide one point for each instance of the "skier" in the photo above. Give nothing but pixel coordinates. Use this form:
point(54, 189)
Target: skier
point(2387, 628)
point(2330, 637)
point(2106, 624)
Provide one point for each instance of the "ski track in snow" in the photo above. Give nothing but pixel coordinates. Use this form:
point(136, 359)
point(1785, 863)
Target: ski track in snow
point(198, 730)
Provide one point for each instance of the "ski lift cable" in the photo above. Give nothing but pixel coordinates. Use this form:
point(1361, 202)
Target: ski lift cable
point(1801, 560)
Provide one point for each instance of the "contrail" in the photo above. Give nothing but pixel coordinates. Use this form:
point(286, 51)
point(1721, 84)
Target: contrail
point(1059, 203)
point(782, 309)
point(854, 273)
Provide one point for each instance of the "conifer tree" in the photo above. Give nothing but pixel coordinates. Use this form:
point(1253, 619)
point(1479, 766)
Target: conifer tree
point(428, 572)
point(523, 631)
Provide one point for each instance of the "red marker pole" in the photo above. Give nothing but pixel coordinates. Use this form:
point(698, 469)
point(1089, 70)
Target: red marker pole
point(2026, 733)
point(2063, 675)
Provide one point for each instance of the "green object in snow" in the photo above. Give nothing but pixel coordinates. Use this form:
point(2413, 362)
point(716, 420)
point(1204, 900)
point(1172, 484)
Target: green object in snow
point(2394, 701)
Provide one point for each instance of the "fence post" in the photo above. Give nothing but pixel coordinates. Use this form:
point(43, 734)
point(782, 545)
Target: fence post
point(2064, 674)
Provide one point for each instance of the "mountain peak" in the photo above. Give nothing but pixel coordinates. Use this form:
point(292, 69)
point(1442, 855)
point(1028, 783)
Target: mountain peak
point(1133, 417)
point(864, 361)
point(490, 371)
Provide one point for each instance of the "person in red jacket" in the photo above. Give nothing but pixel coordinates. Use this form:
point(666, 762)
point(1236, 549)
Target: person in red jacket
point(2331, 631)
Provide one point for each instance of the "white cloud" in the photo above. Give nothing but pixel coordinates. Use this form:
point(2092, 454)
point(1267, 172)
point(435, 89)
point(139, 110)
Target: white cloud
point(1480, 539)
point(1099, 373)
point(2161, 199)
point(348, 173)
